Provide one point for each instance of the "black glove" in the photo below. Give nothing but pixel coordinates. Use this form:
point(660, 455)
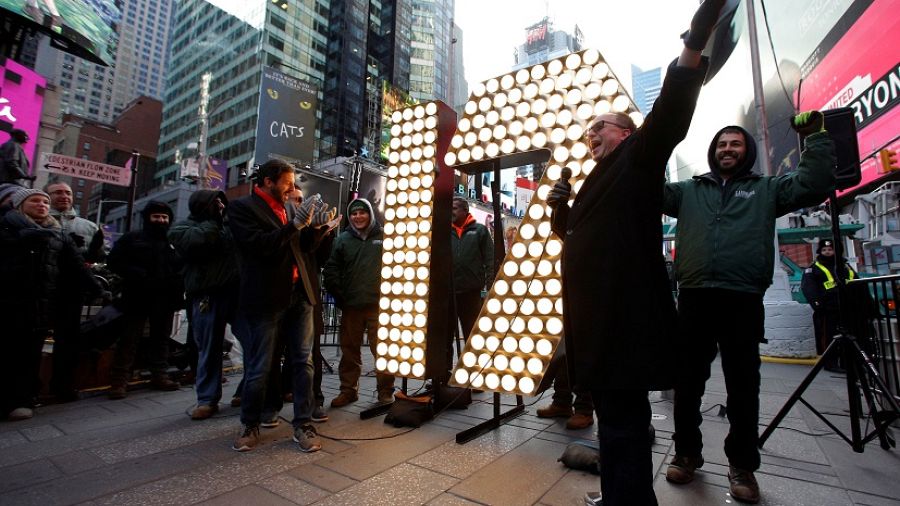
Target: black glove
point(77, 239)
point(808, 122)
point(562, 190)
point(702, 24)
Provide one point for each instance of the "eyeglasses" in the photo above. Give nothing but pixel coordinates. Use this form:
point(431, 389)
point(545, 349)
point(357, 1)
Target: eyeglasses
point(599, 124)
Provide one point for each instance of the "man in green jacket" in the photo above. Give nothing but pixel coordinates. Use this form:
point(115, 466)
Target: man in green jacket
point(352, 276)
point(724, 264)
point(473, 263)
point(211, 283)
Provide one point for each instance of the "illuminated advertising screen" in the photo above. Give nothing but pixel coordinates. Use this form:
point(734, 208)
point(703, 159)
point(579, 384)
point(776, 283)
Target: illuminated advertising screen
point(286, 127)
point(21, 103)
point(85, 28)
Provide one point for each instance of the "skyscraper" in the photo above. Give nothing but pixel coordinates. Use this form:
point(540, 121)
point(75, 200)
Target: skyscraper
point(431, 50)
point(101, 93)
point(645, 86)
point(232, 41)
point(543, 42)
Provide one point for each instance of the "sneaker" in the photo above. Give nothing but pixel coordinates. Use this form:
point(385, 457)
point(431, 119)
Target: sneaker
point(204, 411)
point(20, 414)
point(270, 422)
point(386, 397)
point(681, 469)
point(308, 439)
point(236, 401)
point(117, 391)
point(343, 399)
point(580, 421)
point(164, 383)
point(319, 415)
point(248, 439)
point(555, 411)
point(743, 485)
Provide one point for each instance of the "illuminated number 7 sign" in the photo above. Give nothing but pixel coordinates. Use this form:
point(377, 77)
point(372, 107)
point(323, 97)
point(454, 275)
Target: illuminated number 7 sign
point(520, 118)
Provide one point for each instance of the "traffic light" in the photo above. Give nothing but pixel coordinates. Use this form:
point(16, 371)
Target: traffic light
point(889, 162)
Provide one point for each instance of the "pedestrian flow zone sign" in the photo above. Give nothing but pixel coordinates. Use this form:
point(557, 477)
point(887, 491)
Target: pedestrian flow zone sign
point(85, 169)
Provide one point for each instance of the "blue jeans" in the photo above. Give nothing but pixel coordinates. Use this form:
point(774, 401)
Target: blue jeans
point(208, 328)
point(260, 335)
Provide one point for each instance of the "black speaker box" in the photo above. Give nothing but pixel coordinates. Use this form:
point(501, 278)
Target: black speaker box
point(841, 125)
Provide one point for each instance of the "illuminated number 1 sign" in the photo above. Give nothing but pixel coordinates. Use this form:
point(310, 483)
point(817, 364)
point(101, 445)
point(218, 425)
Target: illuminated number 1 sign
point(522, 117)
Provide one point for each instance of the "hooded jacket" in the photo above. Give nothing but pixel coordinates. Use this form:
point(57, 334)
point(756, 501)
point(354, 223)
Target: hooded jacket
point(85, 233)
point(206, 246)
point(40, 271)
point(726, 228)
point(473, 256)
point(353, 270)
point(149, 266)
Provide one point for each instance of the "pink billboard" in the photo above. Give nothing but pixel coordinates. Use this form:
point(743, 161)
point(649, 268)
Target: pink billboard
point(21, 104)
point(862, 71)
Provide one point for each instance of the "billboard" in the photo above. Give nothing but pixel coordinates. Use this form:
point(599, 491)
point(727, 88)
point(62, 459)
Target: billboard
point(328, 187)
point(84, 28)
point(21, 103)
point(286, 125)
point(392, 99)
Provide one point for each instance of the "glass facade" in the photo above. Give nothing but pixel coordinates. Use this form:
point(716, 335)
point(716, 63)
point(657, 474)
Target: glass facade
point(430, 49)
point(233, 41)
point(645, 87)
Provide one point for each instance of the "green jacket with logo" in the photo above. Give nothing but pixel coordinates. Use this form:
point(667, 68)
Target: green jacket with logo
point(725, 232)
point(353, 271)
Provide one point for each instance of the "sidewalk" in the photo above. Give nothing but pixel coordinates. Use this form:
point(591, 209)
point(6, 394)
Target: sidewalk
point(146, 450)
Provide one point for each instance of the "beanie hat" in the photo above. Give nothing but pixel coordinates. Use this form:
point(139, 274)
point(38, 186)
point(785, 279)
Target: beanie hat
point(7, 190)
point(825, 243)
point(358, 204)
point(21, 195)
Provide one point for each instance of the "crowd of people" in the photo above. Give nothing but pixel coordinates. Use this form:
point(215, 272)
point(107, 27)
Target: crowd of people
point(255, 263)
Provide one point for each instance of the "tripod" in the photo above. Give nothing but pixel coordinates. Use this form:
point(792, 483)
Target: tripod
point(861, 372)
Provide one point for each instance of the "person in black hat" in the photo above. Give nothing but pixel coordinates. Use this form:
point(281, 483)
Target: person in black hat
point(819, 286)
point(153, 289)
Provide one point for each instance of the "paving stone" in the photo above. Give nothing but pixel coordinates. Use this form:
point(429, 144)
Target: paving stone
point(11, 438)
point(179, 436)
point(322, 478)
point(571, 488)
point(294, 490)
point(204, 482)
point(251, 494)
point(522, 476)
point(76, 462)
point(401, 485)
point(372, 457)
point(27, 474)
point(874, 471)
point(41, 432)
point(101, 481)
point(462, 460)
point(450, 500)
point(872, 500)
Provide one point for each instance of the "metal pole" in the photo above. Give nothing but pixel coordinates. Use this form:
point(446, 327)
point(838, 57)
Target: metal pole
point(204, 129)
point(135, 159)
point(99, 212)
point(762, 127)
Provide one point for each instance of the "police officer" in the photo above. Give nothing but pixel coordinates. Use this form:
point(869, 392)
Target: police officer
point(819, 286)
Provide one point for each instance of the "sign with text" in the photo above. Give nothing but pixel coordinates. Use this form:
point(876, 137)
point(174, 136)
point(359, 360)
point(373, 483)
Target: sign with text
point(85, 169)
point(286, 126)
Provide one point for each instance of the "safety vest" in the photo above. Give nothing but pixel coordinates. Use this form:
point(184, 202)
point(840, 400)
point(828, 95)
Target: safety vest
point(829, 279)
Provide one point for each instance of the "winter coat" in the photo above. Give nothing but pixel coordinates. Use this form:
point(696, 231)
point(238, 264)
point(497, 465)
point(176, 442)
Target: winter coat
point(149, 266)
point(206, 246)
point(618, 311)
point(41, 272)
point(813, 283)
point(473, 256)
point(85, 233)
point(268, 251)
point(353, 271)
point(725, 232)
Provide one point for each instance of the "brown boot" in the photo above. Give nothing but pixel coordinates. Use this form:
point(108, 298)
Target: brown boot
point(555, 411)
point(343, 399)
point(204, 411)
point(162, 382)
point(580, 421)
point(118, 390)
point(681, 469)
point(743, 485)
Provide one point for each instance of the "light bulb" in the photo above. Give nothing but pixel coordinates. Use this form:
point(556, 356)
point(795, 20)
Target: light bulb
point(507, 82)
point(554, 247)
point(547, 86)
point(637, 117)
point(583, 76)
point(492, 117)
point(535, 365)
point(554, 326)
point(564, 81)
point(553, 287)
point(508, 382)
point(554, 67)
point(526, 231)
point(539, 139)
point(544, 347)
point(561, 154)
point(469, 359)
point(517, 326)
point(519, 287)
point(523, 143)
point(600, 71)
point(393, 366)
point(526, 344)
point(491, 344)
point(499, 132)
point(404, 369)
point(516, 364)
point(501, 362)
point(510, 269)
point(501, 324)
point(418, 370)
point(492, 381)
point(573, 97)
point(536, 287)
point(531, 91)
point(509, 306)
point(431, 108)
point(493, 306)
point(610, 87)
point(500, 100)
point(523, 110)
point(461, 376)
point(526, 385)
point(418, 354)
point(477, 341)
point(544, 229)
point(523, 76)
point(620, 103)
point(545, 268)
point(544, 306)
point(381, 363)
point(484, 324)
point(478, 90)
point(501, 287)
point(538, 72)
point(508, 113)
point(510, 344)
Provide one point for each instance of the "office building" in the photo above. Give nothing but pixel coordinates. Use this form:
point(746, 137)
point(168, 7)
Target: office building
point(645, 86)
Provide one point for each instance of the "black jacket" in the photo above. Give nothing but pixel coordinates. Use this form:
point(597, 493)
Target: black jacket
point(206, 246)
point(40, 272)
point(268, 253)
point(618, 310)
point(473, 257)
point(813, 283)
point(149, 266)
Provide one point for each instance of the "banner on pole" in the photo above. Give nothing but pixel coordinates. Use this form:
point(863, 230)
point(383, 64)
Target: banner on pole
point(85, 169)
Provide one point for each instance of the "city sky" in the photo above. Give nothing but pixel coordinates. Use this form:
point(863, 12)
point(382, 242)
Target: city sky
point(642, 32)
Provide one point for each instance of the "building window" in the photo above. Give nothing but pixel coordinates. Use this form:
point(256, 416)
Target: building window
point(81, 183)
point(87, 146)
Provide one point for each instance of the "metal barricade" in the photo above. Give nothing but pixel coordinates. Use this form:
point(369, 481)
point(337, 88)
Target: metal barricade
point(880, 335)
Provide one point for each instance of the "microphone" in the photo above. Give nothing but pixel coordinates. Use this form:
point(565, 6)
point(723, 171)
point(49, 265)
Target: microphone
point(554, 200)
point(565, 174)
